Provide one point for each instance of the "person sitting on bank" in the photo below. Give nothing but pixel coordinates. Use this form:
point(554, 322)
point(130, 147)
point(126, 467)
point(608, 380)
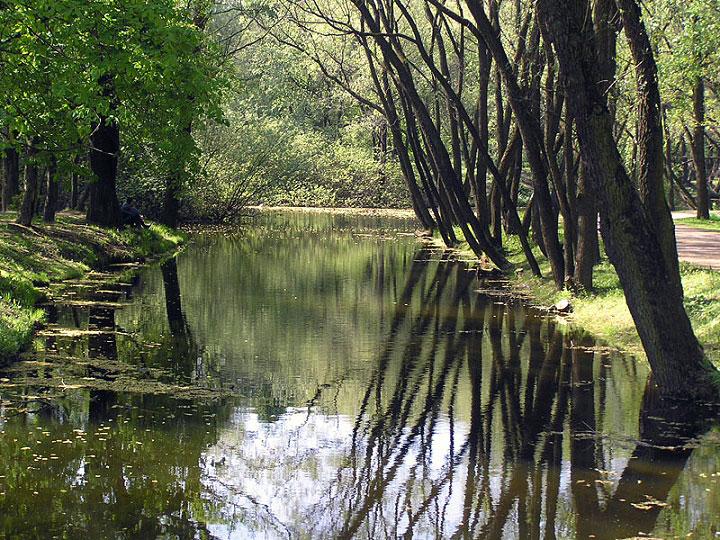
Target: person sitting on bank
point(131, 215)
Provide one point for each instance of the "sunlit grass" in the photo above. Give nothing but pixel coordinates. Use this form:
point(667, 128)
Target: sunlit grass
point(712, 224)
point(603, 311)
point(32, 257)
point(16, 325)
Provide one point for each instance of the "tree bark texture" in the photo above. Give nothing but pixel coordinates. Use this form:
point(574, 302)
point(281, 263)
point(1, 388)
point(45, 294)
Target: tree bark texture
point(30, 192)
point(104, 208)
point(51, 193)
point(11, 177)
point(651, 162)
point(630, 236)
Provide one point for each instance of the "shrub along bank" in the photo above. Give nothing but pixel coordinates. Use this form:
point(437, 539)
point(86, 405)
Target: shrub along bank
point(32, 257)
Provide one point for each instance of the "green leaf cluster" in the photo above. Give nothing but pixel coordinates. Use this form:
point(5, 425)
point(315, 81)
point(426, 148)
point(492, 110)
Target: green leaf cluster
point(66, 64)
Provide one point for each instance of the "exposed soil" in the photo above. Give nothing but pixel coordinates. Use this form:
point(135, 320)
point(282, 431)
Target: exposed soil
point(698, 246)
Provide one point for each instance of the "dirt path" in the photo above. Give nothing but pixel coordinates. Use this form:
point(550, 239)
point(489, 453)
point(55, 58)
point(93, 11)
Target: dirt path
point(697, 246)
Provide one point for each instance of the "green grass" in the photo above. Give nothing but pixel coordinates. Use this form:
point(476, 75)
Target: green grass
point(712, 224)
point(33, 257)
point(603, 312)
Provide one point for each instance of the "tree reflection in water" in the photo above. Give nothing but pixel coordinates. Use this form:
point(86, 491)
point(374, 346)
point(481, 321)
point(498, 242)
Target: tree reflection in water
point(412, 471)
point(475, 419)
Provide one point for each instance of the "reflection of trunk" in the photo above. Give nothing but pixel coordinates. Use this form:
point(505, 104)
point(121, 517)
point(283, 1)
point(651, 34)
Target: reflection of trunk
point(651, 471)
point(183, 351)
point(173, 303)
point(30, 194)
point(583, 446)
point(51, 315)
point(101, 405)
point(103, 343)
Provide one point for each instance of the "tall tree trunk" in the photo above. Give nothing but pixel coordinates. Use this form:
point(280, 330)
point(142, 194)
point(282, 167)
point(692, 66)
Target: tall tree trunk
point(11, 177)
point(631, 239)
point(171, 203)
point(51, 193)
point(651, 173)
point(30, 192)
point(74, 186)
point(587, 230)
point(698, 150)
point(104, 208)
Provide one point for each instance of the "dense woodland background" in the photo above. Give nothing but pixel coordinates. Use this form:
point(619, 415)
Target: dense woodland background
point(492, 119)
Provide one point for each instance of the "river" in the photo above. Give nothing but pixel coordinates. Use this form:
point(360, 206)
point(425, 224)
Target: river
point(317, 376)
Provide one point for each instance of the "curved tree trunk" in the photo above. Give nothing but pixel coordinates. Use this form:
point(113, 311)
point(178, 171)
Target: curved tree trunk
point(631, 238)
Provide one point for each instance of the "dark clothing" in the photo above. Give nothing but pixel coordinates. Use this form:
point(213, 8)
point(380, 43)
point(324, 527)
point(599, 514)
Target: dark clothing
point(131, 215)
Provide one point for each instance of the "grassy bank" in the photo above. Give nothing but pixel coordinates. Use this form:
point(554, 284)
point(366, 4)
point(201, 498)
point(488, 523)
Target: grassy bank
point(32, 257)
point(603, 312)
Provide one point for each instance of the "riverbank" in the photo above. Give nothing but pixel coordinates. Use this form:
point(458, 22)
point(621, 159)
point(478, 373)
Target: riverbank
point(603, 312)
point(33, 257)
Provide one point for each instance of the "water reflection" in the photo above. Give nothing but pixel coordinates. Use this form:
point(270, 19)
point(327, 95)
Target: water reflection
point(357, 386)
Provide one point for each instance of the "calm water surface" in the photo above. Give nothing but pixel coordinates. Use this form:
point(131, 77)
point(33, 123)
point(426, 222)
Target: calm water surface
point(319, 376)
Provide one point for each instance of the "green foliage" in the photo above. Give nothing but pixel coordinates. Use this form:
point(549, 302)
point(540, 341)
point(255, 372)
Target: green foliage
point(685, 34)
point(17, 323)
point(144, 65)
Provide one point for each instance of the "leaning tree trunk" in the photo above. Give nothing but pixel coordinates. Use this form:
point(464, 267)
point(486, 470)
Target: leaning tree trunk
point(531, 133)
point(631, 239)
point(104, 208)
point(651, 161)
